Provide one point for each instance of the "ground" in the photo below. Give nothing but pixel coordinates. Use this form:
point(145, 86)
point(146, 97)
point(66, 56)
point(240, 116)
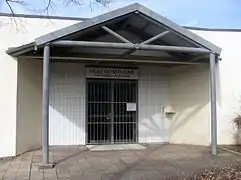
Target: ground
point(154, 162)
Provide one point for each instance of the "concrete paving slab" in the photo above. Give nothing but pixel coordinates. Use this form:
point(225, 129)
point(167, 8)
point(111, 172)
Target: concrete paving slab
point(152, 162)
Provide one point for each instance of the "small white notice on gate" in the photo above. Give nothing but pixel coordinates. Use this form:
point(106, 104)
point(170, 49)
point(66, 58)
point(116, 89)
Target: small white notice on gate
point(131, 106)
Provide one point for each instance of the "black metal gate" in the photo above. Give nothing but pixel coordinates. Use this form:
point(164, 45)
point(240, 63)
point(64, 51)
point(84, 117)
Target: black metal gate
point(111, 111)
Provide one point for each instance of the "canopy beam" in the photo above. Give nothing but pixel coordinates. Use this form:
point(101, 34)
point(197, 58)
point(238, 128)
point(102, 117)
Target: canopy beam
point(158, 36)
point(66, 43)
point(121, 38)
point(148, 41)
point(101, 58)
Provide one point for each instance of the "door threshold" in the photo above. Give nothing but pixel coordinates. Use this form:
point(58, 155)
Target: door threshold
point(115, 147)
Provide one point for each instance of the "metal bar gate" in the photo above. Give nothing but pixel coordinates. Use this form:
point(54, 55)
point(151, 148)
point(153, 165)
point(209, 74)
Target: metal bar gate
point(111, 111)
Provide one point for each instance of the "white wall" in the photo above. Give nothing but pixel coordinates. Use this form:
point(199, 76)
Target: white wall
point(190, 97)
point(29, 105)
point(8, 96)
point(230, 87)
point(153, 96)
point(11, 36)
point(67, 104)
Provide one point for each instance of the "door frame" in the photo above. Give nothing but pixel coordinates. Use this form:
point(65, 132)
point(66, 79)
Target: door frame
point(86, 107)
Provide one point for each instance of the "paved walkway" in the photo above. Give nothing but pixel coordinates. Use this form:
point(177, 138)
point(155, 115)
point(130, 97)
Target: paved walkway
point(77, 163)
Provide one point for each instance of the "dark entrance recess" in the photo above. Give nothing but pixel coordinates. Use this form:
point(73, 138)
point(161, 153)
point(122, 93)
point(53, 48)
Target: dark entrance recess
point(111, 111)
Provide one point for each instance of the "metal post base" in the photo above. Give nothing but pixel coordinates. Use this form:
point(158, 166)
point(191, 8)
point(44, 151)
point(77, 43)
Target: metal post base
point(46, 166)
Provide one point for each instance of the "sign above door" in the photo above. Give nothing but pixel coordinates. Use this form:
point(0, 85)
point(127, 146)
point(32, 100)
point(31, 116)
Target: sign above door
point(111, 73)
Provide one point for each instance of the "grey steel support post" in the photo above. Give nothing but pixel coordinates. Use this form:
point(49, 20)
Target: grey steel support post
point(212, 60)
point(45, 109)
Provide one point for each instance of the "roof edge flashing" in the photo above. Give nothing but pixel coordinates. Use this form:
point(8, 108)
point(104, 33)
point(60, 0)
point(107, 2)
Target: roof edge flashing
point(15, 51)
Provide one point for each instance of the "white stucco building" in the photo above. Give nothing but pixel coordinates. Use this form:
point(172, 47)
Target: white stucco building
point(115, 95)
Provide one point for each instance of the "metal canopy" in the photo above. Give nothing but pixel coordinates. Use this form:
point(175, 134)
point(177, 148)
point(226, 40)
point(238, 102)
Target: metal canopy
point(140, 11)
point(135, 19)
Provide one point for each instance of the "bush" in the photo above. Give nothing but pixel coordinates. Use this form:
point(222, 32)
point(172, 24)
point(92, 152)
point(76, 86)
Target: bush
point(237, 122)
point(228, 173)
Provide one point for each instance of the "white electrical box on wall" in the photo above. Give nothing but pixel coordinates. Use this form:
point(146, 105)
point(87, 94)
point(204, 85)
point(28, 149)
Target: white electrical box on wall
point(169, 110)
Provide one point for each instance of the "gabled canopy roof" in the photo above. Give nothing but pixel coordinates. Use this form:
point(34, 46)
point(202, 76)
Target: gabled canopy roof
point(136, 18)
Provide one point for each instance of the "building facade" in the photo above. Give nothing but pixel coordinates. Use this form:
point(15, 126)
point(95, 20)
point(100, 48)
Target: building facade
point(113, 102)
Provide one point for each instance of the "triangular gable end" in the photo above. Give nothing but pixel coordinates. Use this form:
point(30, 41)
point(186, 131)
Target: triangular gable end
point(125, 11)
